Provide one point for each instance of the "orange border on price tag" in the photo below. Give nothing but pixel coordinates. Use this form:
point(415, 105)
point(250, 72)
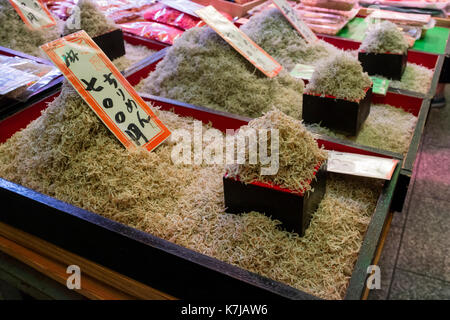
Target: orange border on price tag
point(270, 74)
point(22, 16)
point(78, 37)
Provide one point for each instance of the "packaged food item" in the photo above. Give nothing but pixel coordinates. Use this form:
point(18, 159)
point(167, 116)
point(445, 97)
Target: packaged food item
point(173, 17)
point(401, 18)
point(125, 11)
point(325, 20)
point(21, 78)
point(153, 30)
point(11, 79)
point(61, 8)
point(344, 5)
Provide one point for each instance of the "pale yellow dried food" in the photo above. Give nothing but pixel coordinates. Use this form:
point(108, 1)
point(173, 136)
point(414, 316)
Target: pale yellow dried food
point(202, 69)
point(340, 76)
point(272, 32)
point(91, 20)
point(416, 78)
point(133, 54)
point(69, 154)
point(384, 37)
point(299, 153)
point(14, 33)
point(386, 128)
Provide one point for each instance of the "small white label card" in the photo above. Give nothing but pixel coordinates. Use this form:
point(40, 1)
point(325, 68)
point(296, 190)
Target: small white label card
point(292, 16)
point(34, 13)
point(106, 91)
point(361, 165)
point(302, 71)
point(240, 41)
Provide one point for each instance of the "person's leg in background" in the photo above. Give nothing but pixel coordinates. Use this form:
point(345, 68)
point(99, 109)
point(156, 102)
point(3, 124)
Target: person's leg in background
point(439, 98)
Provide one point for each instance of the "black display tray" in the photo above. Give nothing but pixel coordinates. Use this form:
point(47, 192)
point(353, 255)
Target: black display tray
point(111, 43)
point(341, 115)
point(388, 65)
point(167, 267)
point(293, 209)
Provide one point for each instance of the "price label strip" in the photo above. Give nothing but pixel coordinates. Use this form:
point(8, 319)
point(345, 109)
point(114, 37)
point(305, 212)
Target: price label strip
point(361, 165)
point(240, 41)
point(34, 13)
point(106, 91)
point(302, 71)
point(380, 86)
point(298, 24)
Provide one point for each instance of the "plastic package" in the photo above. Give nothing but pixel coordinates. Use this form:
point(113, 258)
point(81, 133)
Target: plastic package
point(344, 5)
point(153, 30)
point(61, 8)
point(125, 11)
point(173, 17)
point(324, 20)
point(31, 76)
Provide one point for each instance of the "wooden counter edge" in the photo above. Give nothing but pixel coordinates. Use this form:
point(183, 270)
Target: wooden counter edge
point(98, 282)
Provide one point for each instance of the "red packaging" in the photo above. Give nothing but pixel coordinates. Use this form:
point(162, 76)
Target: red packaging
point(61, 8)
point(170, 16)
point(153, 30)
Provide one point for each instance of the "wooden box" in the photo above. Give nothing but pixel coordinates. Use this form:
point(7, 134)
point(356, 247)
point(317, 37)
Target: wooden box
point(388, 65)
point(293, 208)
point(338, 114)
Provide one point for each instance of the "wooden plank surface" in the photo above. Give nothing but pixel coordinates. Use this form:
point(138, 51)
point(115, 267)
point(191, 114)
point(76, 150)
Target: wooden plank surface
point(31, 282)
point(97, 282)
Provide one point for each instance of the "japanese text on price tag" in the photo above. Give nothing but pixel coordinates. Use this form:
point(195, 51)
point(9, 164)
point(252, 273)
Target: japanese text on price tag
point(294, 19)
point(33, 13)
point(106, 91)
point(240, 41)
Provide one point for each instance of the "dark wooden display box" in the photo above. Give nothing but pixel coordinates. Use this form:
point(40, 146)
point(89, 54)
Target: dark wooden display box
point(428, 60)
point(111, 43)
point(342, 115)
point(388, 65)
point(160, 264)
point(293, 209)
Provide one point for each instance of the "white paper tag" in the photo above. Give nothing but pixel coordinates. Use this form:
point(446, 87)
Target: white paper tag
point(240, 41)
point(292, 16)
point(361, 165)
point(106, 91)
point(33, 13)
point(302, 71)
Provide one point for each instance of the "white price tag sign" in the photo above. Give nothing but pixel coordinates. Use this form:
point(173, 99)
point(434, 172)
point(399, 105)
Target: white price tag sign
point(292, 16)
point(361, 165)
point(34, 13)
point(106, 91)
point(240, 41)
